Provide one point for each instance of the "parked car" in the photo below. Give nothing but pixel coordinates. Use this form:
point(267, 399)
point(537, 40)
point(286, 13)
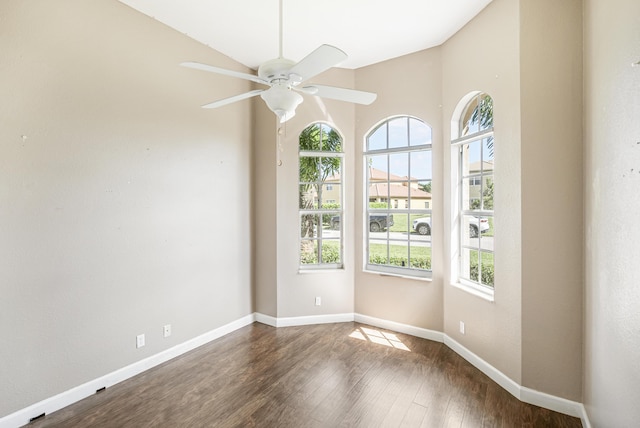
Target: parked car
point(377, 223)
point(422, 226)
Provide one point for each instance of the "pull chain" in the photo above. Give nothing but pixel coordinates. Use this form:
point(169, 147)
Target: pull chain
point(280, 148)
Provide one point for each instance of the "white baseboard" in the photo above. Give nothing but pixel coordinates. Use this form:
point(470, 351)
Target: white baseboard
point(307, 320)
point(424, 333)
point(73, 395)
point(266, 319)
point(522, 393)
point(496, 375)
point(57, 402)
point(584, 417)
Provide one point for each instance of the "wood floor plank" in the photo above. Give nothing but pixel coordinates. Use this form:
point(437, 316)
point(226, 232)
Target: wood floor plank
point(321, 376)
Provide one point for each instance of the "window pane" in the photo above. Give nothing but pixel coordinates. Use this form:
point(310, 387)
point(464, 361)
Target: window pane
point(467, 123)
point(421, 226)
point(379, 223)
point(309, 225)
point(378, 168)
point(378, 251)
point(378, 140)
point(331, 251)
point(470, 231)
point(399, 166)
point(486, 240)
point(471, 193)
point(330, 197)
point(487, 260)
point(420, 165)
point(487, 192)
point(309, 169)
point(419, 132)
point(487, 152)
point(310, 138)
point(306, 196)
point(331, 140)
point(469, 264)
point(378, 191)
point(329, 168)
point(398, 132)
point(401, 225)
point(483, 115)
point(420, 257)
point(399, 254)
point(308, 252)
point(399, 192)
point(335, 221)
point(471, 158)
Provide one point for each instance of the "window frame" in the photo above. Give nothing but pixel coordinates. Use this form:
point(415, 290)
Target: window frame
point(318, 234)
point(408, 211)
point(459, 212)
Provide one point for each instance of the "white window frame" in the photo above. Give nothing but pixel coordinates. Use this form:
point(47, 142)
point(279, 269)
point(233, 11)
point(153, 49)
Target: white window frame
point(319, 237)
point(457, 235)
point(401, 271)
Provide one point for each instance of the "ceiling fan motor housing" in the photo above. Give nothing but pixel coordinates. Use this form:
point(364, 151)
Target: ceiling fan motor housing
point(276, 70)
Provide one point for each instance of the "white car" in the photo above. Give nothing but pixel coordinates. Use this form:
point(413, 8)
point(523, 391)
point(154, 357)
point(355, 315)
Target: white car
point(422, 226)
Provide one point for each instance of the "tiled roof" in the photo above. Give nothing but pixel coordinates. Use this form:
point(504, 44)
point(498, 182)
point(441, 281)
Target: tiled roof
point(398, 191)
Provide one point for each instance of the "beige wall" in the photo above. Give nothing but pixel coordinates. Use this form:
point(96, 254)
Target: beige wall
point(485, 56)
point(552, 224)
point(409, 85)
point(112, 219)
point(265, 224)
point(612, 180)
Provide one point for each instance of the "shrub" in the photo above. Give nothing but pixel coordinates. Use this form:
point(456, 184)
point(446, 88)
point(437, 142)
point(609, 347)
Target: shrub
point(487, 273)
point(330, 254)
point(416, 262)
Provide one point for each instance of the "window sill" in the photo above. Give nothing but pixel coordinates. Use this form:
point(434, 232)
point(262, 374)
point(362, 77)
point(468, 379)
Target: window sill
point(477, 291)
point(321, 270)
point(397, 275)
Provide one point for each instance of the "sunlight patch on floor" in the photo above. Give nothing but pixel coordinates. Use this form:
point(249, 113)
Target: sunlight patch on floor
point(379, 337)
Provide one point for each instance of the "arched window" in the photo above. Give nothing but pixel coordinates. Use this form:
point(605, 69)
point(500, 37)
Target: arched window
point(473, 147)
point(398, 197)
point(320, 197)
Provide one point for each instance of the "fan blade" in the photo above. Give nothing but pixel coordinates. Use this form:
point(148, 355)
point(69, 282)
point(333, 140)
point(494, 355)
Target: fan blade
point(212, 69)
point(341, 94)
point(322, 59)
point(233, 99)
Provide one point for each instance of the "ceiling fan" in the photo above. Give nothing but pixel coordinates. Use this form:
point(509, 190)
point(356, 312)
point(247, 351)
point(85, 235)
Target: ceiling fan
point(284, 77)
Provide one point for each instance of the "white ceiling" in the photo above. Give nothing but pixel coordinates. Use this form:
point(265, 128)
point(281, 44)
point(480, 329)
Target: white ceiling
point(369, 31)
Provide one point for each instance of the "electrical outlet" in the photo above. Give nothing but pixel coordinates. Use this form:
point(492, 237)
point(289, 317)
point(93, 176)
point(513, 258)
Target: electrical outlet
point(140, 341)
point(462, 327)
point(167, 330)
point(318, 301)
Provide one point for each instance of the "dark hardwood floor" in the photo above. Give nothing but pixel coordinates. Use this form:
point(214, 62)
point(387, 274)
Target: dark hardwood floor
point(331, 375)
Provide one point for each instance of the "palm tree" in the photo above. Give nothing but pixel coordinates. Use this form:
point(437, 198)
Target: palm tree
point(483, 115)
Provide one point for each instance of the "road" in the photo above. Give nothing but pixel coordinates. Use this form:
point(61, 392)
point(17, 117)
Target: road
point(418, 240)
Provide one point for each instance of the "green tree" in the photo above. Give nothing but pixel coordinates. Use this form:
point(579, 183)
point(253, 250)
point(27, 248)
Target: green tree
point(425, 187)
point(483, 115)
point(487, 195)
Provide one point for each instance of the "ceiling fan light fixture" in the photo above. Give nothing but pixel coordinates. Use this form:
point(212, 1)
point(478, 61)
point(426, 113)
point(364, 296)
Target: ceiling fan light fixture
point(282, 101)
